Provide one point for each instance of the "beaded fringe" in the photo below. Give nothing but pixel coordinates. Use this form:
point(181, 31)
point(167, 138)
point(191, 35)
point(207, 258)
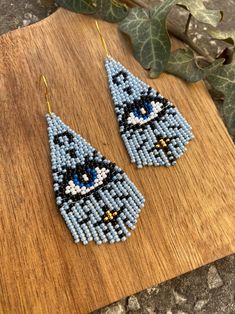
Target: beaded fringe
point(96, 198)
point(153, 130)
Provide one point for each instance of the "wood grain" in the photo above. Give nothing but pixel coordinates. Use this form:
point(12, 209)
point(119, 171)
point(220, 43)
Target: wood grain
point(188, 219)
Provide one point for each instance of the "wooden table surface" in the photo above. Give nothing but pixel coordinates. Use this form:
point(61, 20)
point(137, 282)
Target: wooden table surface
point(188, 219)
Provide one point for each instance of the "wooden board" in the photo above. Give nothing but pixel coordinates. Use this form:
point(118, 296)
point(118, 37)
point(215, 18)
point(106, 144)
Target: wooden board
point(188, 219)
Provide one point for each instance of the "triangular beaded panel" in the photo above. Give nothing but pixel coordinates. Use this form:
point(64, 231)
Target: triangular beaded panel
point(95, 197)
point(153, 130)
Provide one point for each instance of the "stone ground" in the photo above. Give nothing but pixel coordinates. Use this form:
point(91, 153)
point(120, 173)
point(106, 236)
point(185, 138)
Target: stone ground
point(206, 290)
point(19, 13)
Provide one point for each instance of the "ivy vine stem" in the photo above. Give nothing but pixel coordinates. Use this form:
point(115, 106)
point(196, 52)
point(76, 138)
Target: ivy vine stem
point(173, 28)
point(187, 23)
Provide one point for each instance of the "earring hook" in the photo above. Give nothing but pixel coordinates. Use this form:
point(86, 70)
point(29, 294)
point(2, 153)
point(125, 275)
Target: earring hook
point(102, 39)
point(46, 93)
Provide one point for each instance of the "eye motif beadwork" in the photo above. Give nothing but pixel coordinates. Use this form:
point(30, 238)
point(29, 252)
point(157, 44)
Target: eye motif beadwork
point(96, 198)
point(153, 130)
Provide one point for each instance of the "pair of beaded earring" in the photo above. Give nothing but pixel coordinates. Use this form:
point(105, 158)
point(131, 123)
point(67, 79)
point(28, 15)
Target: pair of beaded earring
point(96, 198)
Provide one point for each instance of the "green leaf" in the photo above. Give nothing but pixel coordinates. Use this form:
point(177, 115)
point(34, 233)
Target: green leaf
point(227, 36)
point(109, 10)
point(149, 36)
point(182, 63)
point(223, 80)
point(112, 11)
point(81, 6)
point(201, 13)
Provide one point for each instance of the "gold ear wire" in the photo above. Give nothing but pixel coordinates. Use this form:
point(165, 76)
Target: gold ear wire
point(102, 39)
point(42, 78)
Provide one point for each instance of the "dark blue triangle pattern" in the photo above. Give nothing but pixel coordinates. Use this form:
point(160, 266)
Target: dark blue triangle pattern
point(153, 130)
point(96, 198)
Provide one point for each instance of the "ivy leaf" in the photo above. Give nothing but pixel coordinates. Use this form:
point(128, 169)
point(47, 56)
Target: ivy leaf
point(109, 10)
point(201, 13)
point(223, 80)
point(182, 63)
point(227, 36)
point(81, 6)
point(112, 10)
point(149, 36)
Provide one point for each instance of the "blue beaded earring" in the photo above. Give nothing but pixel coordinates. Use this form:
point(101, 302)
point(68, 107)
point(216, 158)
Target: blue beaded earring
point(153, 130)
point(96, 199)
